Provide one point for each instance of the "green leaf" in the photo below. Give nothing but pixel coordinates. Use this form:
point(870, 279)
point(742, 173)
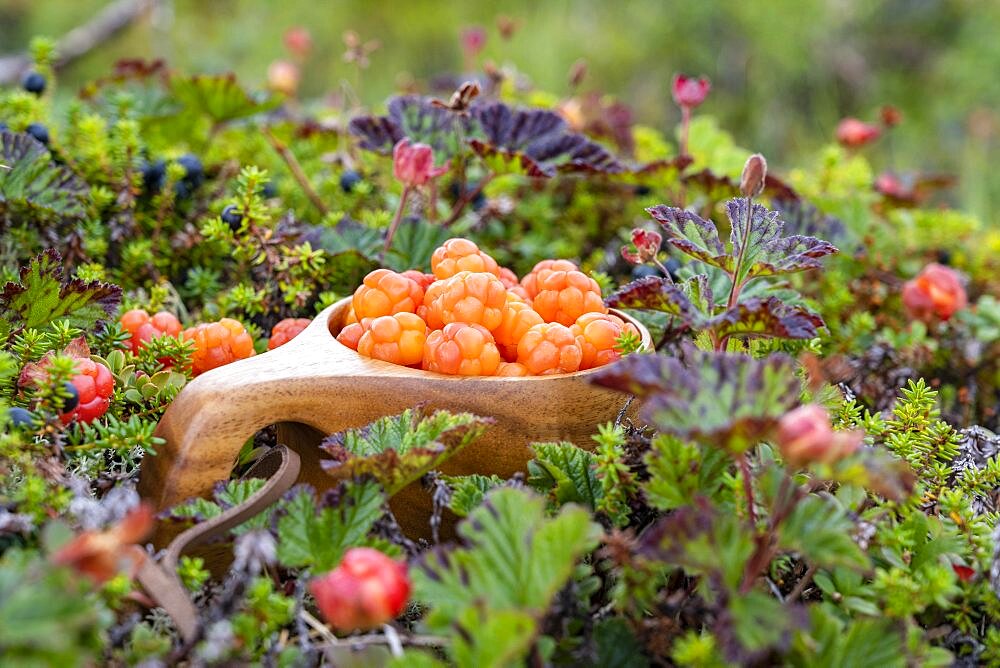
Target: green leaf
point(33, 188)
point(759, 621)
point(617, 646)
point(655, 293)
point(566, 473)
point(344, 271)
point(399, 449)
point(492, 639)
point(768, 317)
point(513, 558)
point(831, 642)
point(414, 243)
point(680, 471)
point(40, 297)
point(819, 530)
point(468, 491)
point(315, 532)
point(232, 493)
point(219, 97)
point(693, 235)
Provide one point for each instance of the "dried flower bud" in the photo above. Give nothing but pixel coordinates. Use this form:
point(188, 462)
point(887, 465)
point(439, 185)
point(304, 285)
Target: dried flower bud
point(366, 589)
point(413, 164)
point(936, 292)
point(890, 116)
point(689, 92)
point(754, 175)
point(854, 133)
point(507, 26)
point(283, 76)
point(577, 72)
point(805, 435)
point(645, 246)
point(101, 555)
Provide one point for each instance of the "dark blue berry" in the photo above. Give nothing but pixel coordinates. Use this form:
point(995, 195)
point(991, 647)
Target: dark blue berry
point(153, 174)
point(19, 417)
point(269, 190)
point(3, 127)
point(232, 217)
point(193, 169)
point(348, 179)
point(33, 82)
point(644, 270)
point(642, 191)
point(39, 132)
point(944, 256)
point(73, 400)
point(673, 265)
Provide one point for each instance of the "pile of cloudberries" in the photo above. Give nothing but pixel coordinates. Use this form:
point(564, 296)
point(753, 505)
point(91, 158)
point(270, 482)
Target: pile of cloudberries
point(471, 317)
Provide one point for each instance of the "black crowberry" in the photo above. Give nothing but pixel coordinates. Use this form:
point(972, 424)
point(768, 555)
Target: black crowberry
point(19, 417)
point(33, 82)
point(232, 217)
point(348, 179)
point(39, 132)
point(73, 400)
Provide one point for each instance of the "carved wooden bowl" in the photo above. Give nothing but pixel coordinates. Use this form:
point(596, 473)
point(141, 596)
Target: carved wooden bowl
point(313, 386)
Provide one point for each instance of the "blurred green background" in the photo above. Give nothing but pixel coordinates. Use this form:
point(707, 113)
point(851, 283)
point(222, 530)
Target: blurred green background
point(783, 71)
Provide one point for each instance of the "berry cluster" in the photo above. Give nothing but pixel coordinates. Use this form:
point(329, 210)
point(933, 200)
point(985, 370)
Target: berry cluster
point(471, 317)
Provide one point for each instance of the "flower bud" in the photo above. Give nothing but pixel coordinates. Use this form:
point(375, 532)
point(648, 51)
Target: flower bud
point(298, 41)
point(854, 133)
point(283, 76)
point(805, 435)
point(689, 92)
point(646, 244)
point(754, 175)
point(473, 40)
point(365, 590)
point(936, 292)
point(413, 164)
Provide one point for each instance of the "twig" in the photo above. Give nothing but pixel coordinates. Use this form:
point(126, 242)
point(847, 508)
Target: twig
point(748, 489)
point(296, 169)
point(464, 200)
point(78, 42)
point(801, 585)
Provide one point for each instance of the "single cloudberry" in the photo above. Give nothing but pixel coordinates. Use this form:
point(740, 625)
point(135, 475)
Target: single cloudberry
point(94, 386)
point(457, 255)
point(549, 348)
point(508, 278)
point(385, 292)
point(420, 278)
point(597, 334)
point(217, 344)
point(351, 316)
point(365, 590)
point(520, 292)
point(286, 330)
point(351, 334)
point(542, 269)
point(512, 369)
point(936, 292)
point(476, 298)
point(461, 349)
point(143, 328)
point(563, 296)
point(397, 338)
point(518, 318)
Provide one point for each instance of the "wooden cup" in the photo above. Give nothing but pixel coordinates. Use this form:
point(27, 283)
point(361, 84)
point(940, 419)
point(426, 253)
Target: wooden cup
point(314, 386)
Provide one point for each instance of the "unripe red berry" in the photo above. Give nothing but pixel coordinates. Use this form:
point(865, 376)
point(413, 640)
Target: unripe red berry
point(365, 590)
point(936, 292)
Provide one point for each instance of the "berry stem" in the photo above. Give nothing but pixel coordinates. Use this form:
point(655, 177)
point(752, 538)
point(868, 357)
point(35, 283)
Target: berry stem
point(397, 218)
point(296, 169)
point(748, 490)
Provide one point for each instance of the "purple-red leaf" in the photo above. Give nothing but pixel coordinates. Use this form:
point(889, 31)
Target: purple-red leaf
point(767, 317)
point(694, 235)
point(654, 293)
point(760, 248)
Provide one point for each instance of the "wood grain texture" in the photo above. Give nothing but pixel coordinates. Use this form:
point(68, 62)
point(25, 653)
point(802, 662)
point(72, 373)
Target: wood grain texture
point(314, 385)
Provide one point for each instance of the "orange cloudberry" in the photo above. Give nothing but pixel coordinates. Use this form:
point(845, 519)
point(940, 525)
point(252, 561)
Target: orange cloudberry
point(217, 344)
point(598, 335)
point(457, 255)
point(462, 349)
point(385, 292)
point(397, 338)
point(549, 348)
point(286, 330)
point(476, 298)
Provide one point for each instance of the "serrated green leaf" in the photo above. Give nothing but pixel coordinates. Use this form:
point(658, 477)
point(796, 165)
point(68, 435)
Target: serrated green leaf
point(819, 530)
point(40, 297)
point(399, 449)
point(468, 491)
point(315, 535)
point(32, 187)
point(219, 96)
point(514, 558)
point(830, 642)
point(492, 639)
point(566, 473)
point(232, 493)
point(414, 243)
point(617, 646)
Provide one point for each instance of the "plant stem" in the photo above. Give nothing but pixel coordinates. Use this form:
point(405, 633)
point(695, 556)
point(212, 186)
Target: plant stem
point(801, 585)
point(464, 200)
point(397, 218)
point(685, 123)
point(748, 490)
point(296, 169)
